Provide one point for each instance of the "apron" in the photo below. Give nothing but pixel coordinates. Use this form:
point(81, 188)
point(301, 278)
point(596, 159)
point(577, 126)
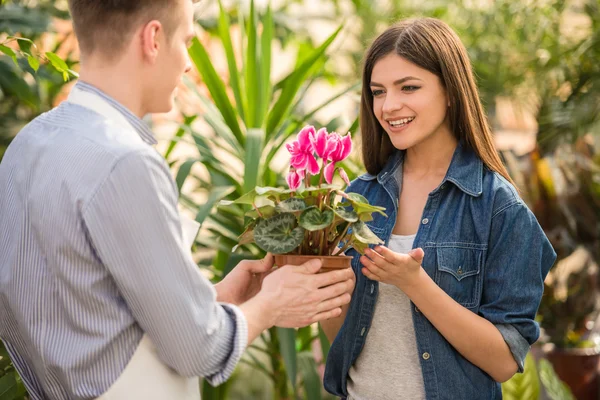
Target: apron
point(145, 377)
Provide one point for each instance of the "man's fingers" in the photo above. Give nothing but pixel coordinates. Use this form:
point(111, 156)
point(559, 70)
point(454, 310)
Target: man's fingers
point(333, 303)
point(310, 267)
point(332, 291)
point(331, 277)
point(336, 312)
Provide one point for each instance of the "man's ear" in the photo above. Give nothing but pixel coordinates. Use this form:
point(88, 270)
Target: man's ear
point(150, 35)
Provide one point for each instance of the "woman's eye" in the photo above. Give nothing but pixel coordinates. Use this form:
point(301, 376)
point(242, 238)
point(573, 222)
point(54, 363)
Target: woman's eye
point(376, 93)
point(410, 88)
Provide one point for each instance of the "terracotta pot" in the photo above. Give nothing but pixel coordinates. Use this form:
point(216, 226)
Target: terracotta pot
point(579, 369)
point(329, 262)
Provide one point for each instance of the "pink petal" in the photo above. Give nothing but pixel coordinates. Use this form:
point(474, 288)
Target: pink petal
point(344, 175)
point(290, 147)
point(347, 147)
point(319, 142)
point(293, 180)
point(329, 170)
point(299, 161)
point(313, 166)
point(304, 138)
point(333, 144)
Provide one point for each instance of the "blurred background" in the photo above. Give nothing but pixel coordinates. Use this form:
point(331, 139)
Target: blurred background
point(265, 69)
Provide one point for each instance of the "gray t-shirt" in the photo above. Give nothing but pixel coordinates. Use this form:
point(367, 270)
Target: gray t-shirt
point(388, 366)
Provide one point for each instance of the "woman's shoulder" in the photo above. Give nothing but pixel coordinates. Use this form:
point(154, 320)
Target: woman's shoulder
point(500, 192)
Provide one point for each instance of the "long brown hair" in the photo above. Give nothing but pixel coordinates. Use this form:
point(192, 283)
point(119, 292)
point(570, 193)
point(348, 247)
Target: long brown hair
point(432, 45)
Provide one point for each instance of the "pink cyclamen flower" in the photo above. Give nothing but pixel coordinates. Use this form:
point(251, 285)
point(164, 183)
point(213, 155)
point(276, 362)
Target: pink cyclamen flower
point(302, 152)
point(329, 171)
point(319, 142)
point(344, 175)
point(339, 147)
point(294, 178)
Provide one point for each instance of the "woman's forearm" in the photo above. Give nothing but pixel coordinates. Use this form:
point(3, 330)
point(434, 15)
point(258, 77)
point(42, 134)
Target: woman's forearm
point(474, 337)
point(332, 326)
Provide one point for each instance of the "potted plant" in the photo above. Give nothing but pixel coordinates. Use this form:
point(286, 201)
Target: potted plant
point(313, 217)
point(563, 189)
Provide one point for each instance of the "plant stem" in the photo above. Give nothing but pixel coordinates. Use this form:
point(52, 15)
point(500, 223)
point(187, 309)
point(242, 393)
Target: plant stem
point(339, 238)
point(345, 247)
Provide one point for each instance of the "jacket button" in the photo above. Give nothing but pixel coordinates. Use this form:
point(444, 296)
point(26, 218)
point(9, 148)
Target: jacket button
point(372, 288)
point(426, 356)
point(425, 221)
point(362, 332)
point(459, 271)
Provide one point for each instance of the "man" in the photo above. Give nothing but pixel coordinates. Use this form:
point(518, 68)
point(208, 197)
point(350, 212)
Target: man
point(99, 295)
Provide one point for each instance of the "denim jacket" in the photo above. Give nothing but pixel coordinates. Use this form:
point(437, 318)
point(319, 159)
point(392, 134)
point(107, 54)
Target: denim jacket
point(483, 247)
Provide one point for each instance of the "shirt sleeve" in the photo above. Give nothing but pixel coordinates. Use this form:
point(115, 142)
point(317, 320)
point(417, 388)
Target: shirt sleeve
point(134, 225)
point(518, 260)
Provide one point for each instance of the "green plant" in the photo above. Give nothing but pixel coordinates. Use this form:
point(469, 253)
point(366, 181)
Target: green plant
point(11, 386)
point(250, 119)
point(535, 379)
point(31, 76)
point(310, 220)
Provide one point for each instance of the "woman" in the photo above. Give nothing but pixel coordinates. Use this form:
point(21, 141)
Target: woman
point(445, 310)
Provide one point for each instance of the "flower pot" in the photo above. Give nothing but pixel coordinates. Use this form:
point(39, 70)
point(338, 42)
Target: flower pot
point(578, 368)
point(329, 262)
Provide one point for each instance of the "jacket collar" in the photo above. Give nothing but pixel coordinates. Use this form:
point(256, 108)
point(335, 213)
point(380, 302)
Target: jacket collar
point(465, 170)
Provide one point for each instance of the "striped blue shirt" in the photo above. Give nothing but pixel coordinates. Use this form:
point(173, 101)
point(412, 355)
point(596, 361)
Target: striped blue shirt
point(92, 257)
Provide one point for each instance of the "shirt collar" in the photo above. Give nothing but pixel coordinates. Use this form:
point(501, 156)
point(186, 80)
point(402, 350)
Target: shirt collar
point(90, 97)
point(465, 171)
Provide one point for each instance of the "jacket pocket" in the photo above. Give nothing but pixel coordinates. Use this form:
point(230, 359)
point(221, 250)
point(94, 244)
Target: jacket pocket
point(459, 274)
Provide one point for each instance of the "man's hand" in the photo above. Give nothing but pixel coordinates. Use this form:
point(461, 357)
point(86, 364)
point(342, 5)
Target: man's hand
point(298, 296)
point(244, 281)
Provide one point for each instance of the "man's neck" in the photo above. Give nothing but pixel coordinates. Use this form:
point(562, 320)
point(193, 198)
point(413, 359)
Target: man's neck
point(117, 83)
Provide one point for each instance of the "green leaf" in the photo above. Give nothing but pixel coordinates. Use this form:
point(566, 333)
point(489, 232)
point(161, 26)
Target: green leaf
point(252, 72)
point(184, 171)
point(234, 77)
point(279, 234)
point(346, 215)
point(216, 87)
point(361, 205)
point(310, 376)
point(265, 212)
point(324, 342)
point(362, 233)
point(8, 386)
point(254, 147)
point(247, 198)
point(525, 386)
point(312, 219)
point(287, 346)
point(34, 63)
point(188, 120)
point(265, 62)
point(215, 195)
point(293, 83)
point(291, 205)
point(270, 191)
point(555, 388)
point(57, 62)
point(9, 52)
